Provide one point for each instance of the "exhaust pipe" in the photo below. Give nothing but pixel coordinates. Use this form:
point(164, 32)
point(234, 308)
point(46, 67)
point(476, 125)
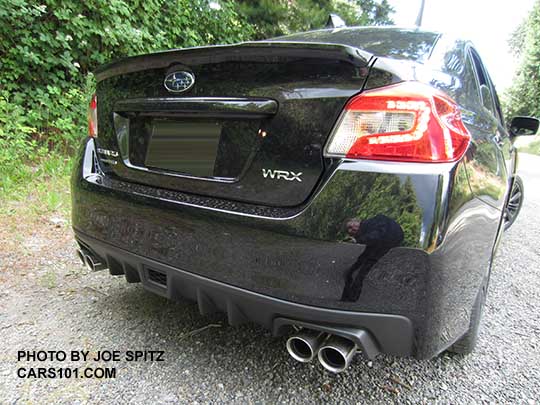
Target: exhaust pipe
point(337, 353)
point(304, 345)
point(93, 263)
point(80, 255)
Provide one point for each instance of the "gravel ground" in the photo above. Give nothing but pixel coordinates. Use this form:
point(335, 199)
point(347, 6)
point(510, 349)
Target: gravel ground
point(48, 302)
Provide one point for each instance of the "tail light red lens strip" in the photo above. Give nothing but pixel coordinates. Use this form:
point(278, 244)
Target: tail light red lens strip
point(92, 118)
point(408, 121)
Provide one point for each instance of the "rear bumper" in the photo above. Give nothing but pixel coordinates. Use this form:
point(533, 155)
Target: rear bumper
point(258, 263)
point(393, 334)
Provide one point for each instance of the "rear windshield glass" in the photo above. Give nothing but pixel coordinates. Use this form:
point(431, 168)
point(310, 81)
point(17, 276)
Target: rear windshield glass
point(398, 43)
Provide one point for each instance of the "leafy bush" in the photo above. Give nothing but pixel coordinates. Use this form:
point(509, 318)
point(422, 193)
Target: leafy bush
point(48, 49)
point(16, 144)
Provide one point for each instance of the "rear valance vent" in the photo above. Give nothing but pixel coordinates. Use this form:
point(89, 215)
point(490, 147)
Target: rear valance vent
point(157, 277)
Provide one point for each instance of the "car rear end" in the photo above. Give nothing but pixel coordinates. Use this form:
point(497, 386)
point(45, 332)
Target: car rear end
point(265, 180)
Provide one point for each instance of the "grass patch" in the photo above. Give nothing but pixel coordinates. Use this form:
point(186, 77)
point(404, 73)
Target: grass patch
point(39, 189)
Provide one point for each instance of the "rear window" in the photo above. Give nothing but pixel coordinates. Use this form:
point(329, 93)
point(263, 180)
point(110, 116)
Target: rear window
point(398, 43)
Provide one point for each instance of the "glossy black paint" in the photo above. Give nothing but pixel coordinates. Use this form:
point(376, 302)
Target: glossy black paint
point(491, 158)
point(406, 239)
point(200, 106)
point(242, 305)
point(259, 51)
point(304, 91)
point(395, 43)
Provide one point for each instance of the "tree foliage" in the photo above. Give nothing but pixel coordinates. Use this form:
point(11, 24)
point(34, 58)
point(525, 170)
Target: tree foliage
point(272, 18)
point(524, 95)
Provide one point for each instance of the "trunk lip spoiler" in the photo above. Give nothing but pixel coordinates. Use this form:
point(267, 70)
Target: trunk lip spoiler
point(218, 53)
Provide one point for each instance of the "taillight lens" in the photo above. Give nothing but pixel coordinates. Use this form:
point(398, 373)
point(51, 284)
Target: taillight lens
point(92, 118)
point(409, 121)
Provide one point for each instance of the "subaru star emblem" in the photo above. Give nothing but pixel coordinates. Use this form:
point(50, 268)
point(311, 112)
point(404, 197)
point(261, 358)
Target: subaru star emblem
point(178, 82)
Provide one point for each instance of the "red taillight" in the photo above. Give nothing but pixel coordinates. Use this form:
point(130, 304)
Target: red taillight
point(92, 118)
point(409, 121)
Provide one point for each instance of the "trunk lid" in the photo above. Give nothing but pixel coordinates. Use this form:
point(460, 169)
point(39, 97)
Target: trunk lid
point(250, 128)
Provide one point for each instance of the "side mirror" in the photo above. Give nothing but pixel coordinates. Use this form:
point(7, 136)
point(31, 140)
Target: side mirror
point(520, 126)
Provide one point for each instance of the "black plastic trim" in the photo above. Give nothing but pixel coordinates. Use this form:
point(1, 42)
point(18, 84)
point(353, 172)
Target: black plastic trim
point(392, 333)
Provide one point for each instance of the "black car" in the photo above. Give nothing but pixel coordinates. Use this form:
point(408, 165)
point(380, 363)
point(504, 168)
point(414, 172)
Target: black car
point(346, 187)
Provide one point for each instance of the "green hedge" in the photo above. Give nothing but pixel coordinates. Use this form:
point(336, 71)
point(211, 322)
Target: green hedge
point(48, 49)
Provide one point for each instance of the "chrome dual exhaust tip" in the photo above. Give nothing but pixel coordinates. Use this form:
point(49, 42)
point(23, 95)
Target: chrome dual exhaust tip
point(304, 345)
point(336, 354)
point(91, 261)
